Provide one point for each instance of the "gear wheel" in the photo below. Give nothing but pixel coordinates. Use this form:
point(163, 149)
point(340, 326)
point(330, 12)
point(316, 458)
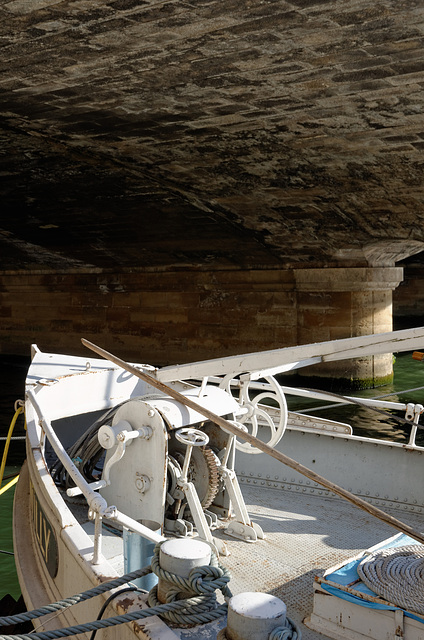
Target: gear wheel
point(203, 470)
point(212, 462)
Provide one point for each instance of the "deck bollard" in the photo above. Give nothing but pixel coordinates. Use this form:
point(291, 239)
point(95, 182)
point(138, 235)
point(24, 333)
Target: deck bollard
point(253, 615)
point(180, 556)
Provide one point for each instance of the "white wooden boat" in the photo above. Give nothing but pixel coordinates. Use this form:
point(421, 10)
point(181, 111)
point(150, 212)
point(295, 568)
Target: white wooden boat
point(122, 457)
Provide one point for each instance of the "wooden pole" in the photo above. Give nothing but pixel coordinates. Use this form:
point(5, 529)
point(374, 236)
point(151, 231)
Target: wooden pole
point(281, 457)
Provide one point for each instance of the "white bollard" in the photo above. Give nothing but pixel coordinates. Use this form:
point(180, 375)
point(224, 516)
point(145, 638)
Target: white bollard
point(253, 615)
point(180, 556)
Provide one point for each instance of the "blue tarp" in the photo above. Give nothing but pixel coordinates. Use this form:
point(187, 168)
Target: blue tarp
point(348, 574)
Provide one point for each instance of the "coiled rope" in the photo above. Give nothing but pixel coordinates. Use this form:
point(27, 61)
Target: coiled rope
point(397, 575)
point(290, 631)
point(199, 590)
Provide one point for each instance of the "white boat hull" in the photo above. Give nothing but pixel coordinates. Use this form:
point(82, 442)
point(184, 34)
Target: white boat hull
point(55, 540)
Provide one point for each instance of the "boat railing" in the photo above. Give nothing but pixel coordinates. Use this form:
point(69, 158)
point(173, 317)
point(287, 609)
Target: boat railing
point(412, 411)
point(97, 505)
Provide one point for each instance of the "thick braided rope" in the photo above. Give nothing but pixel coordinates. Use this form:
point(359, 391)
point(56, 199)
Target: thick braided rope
point(79, 597)
point(202, 584)
point(201, 580)
point(397, 575)
point(193, 612)
point(290, 631)
point(96, 624)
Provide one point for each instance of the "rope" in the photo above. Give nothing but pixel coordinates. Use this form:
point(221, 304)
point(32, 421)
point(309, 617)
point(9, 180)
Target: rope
point(68, 602)
point(198, 590)
point(98, 624)
point(198, 610)
point(109, 600)
point(397, 575)
point(9, 485)
point(202, 583)
point(290, 631)
point(194, 611)
point(19, 408)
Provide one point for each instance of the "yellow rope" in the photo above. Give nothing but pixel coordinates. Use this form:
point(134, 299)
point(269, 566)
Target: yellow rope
point(18, 411)
point(8, 485)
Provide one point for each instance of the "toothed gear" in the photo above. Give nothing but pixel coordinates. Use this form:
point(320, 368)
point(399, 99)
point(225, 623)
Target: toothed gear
point(213, 463)
point(203, 470)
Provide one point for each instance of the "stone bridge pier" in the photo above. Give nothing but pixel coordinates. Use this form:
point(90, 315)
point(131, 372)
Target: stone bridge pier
point(164, 317)
point(186, 180)
point(339, 302)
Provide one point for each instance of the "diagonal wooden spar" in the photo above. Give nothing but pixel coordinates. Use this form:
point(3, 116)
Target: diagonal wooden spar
point(289, 358)
point(281, 457)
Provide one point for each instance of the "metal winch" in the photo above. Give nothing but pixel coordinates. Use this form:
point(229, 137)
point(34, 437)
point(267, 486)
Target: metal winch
point(171, 470)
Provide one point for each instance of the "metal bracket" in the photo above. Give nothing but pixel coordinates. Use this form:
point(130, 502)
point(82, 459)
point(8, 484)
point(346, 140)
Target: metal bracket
point(399, 631)
point(195, 438)
point(413, 412)
point(242, 527)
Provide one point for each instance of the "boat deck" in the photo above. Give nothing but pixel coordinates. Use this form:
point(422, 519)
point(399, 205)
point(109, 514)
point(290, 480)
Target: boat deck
point(305, 535)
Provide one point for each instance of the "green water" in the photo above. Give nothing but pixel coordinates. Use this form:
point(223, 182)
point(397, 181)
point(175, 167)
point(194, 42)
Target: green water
point(12, 377)
point(8, 578)
point(408, 374)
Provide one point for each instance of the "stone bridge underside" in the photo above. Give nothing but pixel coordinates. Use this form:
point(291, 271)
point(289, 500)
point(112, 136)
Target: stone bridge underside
point(247, 132)
point(213, 134)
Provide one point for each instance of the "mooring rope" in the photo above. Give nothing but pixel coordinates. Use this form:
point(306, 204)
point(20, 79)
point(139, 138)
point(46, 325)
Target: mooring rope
point(290, 631)
point(19, 408)
point(79, 597)
point(108, 600)
point(199, 590)
point(397, 575)
point(98, 624)
point(200, 609)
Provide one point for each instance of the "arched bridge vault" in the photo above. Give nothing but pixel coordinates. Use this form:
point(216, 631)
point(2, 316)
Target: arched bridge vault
point(258, 159)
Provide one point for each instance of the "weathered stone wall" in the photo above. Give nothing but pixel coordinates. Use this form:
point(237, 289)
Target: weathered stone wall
point(159, 318)
point(169, 317)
